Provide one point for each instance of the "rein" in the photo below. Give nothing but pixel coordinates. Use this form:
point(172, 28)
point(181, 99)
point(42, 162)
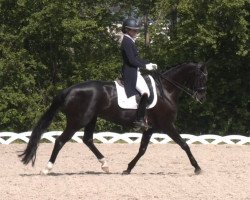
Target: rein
point(183, 88)
point(178, 85)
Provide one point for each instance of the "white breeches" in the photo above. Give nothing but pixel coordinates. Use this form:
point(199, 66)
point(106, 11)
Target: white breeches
point(141, 84)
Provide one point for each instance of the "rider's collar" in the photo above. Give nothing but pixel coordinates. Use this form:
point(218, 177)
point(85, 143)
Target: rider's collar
point(130, 37)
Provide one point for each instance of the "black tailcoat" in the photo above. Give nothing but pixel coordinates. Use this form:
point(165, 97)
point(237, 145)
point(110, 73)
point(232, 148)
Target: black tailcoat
point(131, 63)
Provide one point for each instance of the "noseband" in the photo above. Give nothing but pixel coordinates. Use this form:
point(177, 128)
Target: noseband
point(201, 75)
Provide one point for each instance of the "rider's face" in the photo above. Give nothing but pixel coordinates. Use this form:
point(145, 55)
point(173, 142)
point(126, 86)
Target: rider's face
point(133, 33)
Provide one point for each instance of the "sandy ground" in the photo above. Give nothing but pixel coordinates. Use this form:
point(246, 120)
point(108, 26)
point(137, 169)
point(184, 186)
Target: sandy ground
point(163, 173)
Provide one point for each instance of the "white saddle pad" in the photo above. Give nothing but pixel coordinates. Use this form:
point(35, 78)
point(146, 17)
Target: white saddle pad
point(130, 103)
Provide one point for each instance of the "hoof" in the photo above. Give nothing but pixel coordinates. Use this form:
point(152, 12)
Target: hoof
point(125, 172)
point(104, 166)
point(47, 169)
point(197, 171)
point(105, 169)
point(44, 172)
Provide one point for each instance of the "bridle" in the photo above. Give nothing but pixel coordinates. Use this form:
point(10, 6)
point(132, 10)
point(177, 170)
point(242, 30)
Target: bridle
point(191, 92)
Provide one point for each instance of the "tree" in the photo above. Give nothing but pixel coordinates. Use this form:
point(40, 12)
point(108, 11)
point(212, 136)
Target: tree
point(217, 30)
point(48, 46)
point(52, 46)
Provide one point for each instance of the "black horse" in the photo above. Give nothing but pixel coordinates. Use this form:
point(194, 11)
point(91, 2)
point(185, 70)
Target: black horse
point(84, 102)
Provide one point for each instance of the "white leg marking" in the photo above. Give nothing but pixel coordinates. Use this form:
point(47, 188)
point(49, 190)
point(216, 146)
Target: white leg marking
point(104, 166)
point(47, 169)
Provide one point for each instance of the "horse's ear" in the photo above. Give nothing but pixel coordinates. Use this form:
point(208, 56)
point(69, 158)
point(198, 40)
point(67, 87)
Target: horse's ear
point(202, 66)
point(208, 62)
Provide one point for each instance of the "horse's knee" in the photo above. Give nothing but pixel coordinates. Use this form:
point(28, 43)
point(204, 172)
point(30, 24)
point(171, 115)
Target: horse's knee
point(142, 151)
point(184, 146)
point(61, 140)
point(87, 141)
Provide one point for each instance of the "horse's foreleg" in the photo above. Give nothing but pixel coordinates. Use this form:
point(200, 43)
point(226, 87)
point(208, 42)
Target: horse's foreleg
point(182, 143)
point(59, 143)
point(88, 140)
point(143, 147)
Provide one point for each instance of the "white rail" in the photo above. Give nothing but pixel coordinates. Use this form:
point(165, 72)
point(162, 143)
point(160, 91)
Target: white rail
point(110, 137)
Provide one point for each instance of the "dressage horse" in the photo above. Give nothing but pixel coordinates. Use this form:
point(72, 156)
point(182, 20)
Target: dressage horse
point(85, 102)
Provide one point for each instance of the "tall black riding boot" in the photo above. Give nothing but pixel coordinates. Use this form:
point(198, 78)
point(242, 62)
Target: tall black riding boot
point(141, 112)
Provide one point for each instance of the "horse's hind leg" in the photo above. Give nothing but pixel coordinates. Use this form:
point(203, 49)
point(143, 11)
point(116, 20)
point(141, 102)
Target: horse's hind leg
point(143, 147)
point(88, 140)
point(59, 143)
point(182, 143)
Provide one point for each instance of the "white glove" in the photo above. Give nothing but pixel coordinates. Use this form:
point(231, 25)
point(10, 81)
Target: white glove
point(151, 66)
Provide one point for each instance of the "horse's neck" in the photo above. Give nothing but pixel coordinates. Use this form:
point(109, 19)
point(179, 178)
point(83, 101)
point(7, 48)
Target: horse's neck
point(182, 74)
point(179, 76)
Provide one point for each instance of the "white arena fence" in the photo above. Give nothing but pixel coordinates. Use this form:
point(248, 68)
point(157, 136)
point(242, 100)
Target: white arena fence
point(111, 137)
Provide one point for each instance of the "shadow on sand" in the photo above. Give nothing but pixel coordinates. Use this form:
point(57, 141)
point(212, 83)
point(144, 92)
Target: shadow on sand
point(98, 174)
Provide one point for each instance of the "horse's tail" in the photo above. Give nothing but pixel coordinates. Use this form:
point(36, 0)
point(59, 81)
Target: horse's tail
point(30, 152)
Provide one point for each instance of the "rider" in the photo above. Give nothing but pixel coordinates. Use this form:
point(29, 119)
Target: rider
point(133, 80)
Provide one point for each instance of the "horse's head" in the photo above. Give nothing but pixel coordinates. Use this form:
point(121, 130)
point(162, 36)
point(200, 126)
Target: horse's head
point(190, 78)
point(200, 83)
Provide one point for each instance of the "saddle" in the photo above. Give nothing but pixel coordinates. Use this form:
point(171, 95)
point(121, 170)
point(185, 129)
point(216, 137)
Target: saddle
point(132, 102)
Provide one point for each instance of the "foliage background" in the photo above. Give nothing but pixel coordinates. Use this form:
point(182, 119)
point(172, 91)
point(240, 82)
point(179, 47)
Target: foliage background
point(47, 46)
